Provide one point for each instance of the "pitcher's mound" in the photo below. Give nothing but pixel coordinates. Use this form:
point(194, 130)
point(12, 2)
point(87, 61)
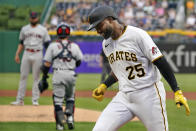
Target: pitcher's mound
point(42, 113)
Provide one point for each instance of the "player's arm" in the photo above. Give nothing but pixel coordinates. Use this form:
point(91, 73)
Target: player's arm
point(43, 84)
point(79, 56)
point(168, 74)
point(98, 93)
point(45, 68)
point(18, 51)
point(110, 80)
point(153, 53)
point(20, 45)
point(47, 39)
point(78, 63)
point(46, 44)
point(101, 59)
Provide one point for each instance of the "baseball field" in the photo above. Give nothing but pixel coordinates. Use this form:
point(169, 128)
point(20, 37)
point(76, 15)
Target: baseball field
point(40, 118)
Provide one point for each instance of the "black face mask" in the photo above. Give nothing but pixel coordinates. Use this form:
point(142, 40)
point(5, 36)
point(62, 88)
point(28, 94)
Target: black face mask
point(108, 32)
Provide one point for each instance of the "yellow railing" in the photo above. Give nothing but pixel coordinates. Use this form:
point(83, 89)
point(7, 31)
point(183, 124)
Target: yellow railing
point(152, 33)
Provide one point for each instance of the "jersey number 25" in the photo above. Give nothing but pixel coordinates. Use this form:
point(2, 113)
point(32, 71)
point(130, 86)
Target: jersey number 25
point(138, 68)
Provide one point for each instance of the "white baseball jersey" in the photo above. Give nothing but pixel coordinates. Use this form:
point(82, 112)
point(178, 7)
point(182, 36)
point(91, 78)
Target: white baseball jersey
point(34, 37)
point(55, 48)
point(131, 57)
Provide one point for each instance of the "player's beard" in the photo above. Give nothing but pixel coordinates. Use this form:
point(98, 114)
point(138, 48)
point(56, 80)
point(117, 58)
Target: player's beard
point(34, 23)
point(108, 32)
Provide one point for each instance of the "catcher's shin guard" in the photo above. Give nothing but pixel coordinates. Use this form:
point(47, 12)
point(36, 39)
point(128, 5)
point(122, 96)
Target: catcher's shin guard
point(70, 107)
point(70, 113)
point(59, 115)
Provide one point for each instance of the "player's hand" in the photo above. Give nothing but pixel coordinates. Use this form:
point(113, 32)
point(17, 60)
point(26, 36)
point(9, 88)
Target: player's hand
point(181, 100)
point(17, 59)
point(98, 93)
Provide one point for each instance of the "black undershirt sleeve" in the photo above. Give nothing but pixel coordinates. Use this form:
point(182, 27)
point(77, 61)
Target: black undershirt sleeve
point(46, 44)
point(110, 80)
point(167, 72)
point(21, 42)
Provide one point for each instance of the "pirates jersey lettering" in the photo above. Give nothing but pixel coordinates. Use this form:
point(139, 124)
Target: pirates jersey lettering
point(131, 57)
point(121, 55)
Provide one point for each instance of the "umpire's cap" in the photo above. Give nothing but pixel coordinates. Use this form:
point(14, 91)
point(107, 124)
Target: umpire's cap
point(99, 14)
point(63, 30)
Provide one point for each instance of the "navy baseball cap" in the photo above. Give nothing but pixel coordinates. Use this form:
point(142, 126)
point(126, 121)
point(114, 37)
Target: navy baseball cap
point(99, 14)
point(33, 15)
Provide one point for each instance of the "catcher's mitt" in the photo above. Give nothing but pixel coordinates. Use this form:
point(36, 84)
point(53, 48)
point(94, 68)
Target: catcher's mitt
point(43, 85)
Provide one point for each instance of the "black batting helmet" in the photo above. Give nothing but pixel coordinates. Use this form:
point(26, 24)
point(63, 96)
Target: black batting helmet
point(99, 14)
point(63, 30)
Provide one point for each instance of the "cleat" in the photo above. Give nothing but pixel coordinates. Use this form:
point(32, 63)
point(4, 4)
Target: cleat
point(17, 103)
point(70, 122)
point(35, 103)
point(59, 127)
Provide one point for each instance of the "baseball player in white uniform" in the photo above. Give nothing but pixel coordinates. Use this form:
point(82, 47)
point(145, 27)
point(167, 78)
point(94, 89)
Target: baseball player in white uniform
point(32, 39)
point(64, 56)
point(135, 61)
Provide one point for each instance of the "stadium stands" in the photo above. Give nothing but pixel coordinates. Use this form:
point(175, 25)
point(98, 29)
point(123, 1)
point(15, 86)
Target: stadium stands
point(146, 14)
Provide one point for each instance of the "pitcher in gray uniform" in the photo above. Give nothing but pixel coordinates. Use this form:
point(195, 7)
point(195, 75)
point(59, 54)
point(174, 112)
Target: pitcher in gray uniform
point(64, 56)
point(32, 38)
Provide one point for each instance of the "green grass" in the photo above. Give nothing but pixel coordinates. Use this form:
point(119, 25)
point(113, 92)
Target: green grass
point(40, 126)
point(186, 82)
point(176, 116)
point(79, 126)
point(178, 121)
point(87, 103)
point(90, 103)
point(9, 81)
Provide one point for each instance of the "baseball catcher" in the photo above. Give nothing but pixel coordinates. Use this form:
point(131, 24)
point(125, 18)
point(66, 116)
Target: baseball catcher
point(64, 56)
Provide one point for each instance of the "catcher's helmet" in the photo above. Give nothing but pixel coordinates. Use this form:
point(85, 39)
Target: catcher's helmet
point(99, 14)
point(63, 31)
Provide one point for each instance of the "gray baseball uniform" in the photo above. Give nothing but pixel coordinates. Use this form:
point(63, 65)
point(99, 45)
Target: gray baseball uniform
point(64, 74)
point(33, 39)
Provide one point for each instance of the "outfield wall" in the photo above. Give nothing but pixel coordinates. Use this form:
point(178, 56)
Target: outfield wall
point(182, 57)
point(8, 45)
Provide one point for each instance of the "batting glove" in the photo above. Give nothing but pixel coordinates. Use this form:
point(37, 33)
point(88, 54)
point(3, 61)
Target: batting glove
point(98, 93)
point(181, 100)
